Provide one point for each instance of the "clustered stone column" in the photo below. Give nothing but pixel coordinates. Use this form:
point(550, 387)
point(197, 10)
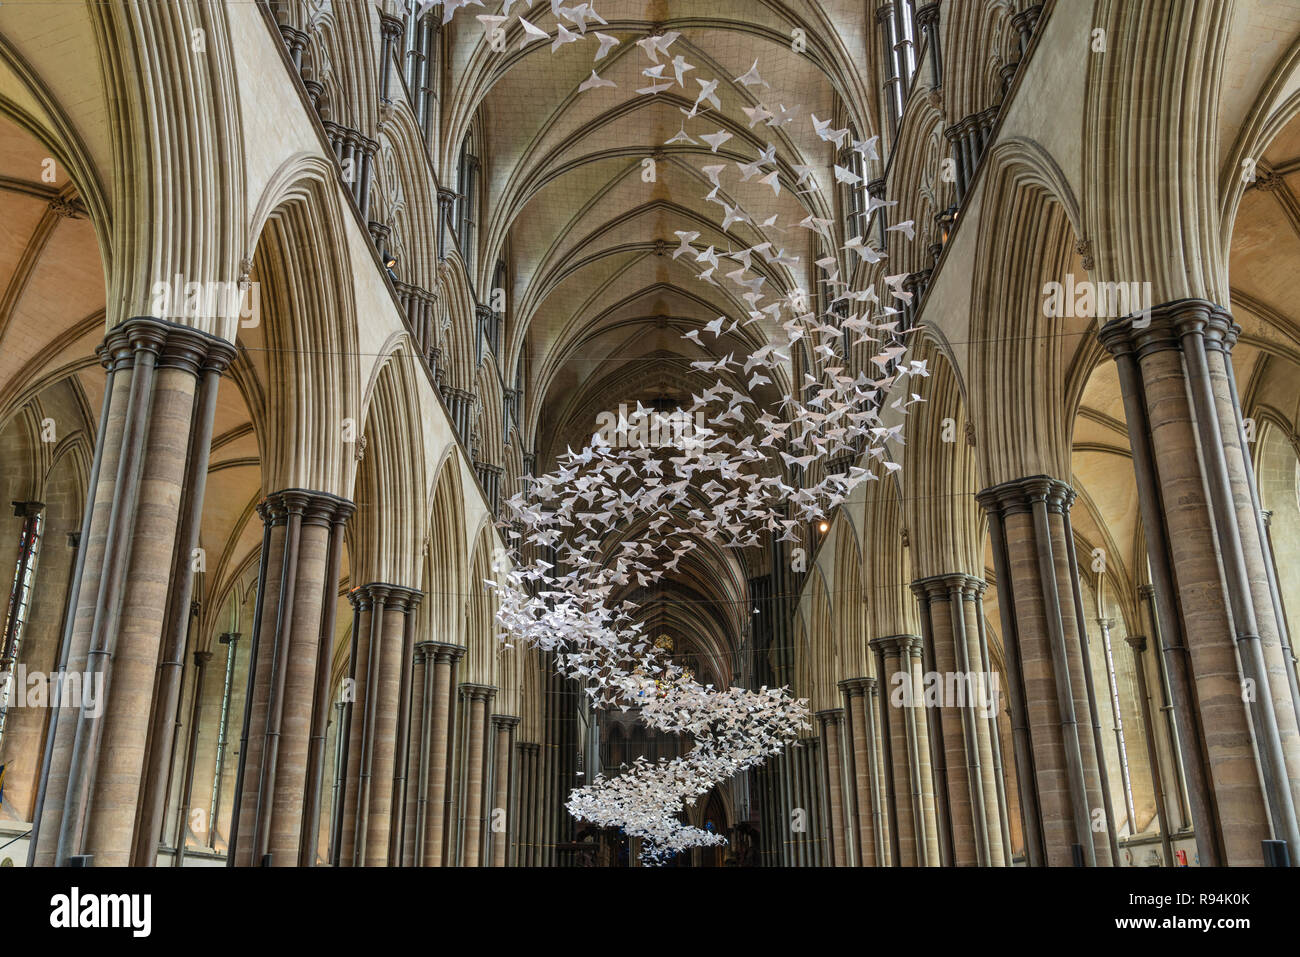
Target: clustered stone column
point(373, 798)
point(968, 138)
point(840, 842)
point(860, 711)
point(1064, 799)
point(500, 825)
point(964, 722)
point(446, 205)
point(390, 32)
point(460, 407)
point(1025, 23)
point(429, 753)
point(146, 484)
point(1178, 776)
point(525, 832)
point(804, 817)
point(475, 768)
point(927, 21)
point(418, 305)
point(909, 783)
point(1139, 645)
point(355, 153)
point(281, 761)
point(1234, 694)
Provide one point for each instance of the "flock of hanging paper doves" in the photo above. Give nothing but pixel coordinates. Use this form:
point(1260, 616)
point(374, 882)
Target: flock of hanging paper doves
point(619, 515)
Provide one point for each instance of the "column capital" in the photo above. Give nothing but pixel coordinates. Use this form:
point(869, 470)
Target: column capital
point(1019, 495)
point(390, 27)
point(928, 15)
point(898, 645)
point(854, 687)
point(831, 716)
point(1028, 16)
point(364, 596)
point(1137, 642)
point(941, 587)
point(391, 594)
point(446, 197)
point(174, 346)
point(1146, 591)
point(504, 720)
point(317, 508)
point(477, 692)
point(442, 652)
point(404, 599)
point(1165, 326)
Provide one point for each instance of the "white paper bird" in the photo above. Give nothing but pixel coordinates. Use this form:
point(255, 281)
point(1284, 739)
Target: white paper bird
point(715, 140)
point(751, 78)
point(594, 81)
point(563, 35)
point(681, 68)
point(655, 46)
point(531, 33)
point(606, 43)
point(609, 513)
point(843, 175)
point(826, 133)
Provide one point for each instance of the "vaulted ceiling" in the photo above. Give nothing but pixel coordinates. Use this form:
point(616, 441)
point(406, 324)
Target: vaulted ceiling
point(589, 188)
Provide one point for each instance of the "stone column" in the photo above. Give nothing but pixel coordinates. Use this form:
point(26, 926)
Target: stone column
point(402, 746)
point(877, 743)
point(797, 840)
point(446, 203)
point(27, 730)
point(323, 697)
point(927, 21)
point(382, 818)
point(833, 767)
point(355, 726)
point(1046, 665)
point(474, 770)
point(1139, 645)
point(201, 659)
point(953, 728)
point(153, 431)
point(368, 817)
point(417, 764)
point(1208, 557)
point(903, 714)
point(390, 31)
point(861, 746)
point(435, 748)
point(949, 607)
point(922, 770)
point(499, 815)
point(525, 834)
point(990, 716)
point(938, 756)
point(810, 799)
point(273, 763)
point(1147, 594)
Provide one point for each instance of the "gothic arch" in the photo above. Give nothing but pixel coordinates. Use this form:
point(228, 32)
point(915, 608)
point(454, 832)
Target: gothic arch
point(1017, 354)
point(390, 521)
point(306, 335)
